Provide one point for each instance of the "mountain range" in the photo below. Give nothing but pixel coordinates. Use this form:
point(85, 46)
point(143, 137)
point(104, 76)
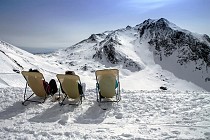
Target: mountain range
point(157, 48)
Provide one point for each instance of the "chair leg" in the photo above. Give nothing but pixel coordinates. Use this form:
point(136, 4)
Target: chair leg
point(118, 98)
point(27, 98)
point(23, 103)
point(61, 103)
point(97, 93)
point(25, 91)
point(81, 99)
point(118, 92)
point(99, 96)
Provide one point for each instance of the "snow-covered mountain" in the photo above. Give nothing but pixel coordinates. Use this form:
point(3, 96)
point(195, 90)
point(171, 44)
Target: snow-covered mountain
point(13, 60)
point(185, 54)
point(179, 51)
point(154, 50)
point(147, 55)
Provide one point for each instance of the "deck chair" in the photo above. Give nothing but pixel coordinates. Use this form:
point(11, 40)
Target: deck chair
point(69, 84)
point(106, 82)
point(35, 81)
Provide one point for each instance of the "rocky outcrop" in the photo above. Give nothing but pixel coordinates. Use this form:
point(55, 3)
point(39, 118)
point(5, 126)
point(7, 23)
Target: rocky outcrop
point(108, 53)
point(167, 40)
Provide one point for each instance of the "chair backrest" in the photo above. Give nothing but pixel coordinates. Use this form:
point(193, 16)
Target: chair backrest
point(107, 80)
point(35, 82)
point(69, 84)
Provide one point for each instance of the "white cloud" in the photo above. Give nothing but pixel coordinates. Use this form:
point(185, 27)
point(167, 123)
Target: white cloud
point(146, 5)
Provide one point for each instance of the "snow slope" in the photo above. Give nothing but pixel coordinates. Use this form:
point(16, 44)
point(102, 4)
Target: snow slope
point(145, 111)
point(179, 51)
point(151, 77)
point(14, 60)
point(134, 49)
point(139, 115)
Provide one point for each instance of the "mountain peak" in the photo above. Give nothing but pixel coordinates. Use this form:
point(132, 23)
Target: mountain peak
point(93, 38)
point(162, 23)
point(163, 20)
point(155, 21)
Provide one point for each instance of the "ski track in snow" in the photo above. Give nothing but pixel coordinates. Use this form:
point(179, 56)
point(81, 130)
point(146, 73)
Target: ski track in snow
point(139, 115)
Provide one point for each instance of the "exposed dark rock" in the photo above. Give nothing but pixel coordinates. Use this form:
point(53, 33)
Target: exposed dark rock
point(163, 88)
point(206, 37)
point(92, 38)
point(128, 27)
point(166, 41)
point(110, 53)
point(17, 71)
point(84, 68)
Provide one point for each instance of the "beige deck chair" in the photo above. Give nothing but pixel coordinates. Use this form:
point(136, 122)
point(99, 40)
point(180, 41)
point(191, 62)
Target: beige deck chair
point(69, 84)
point(108, 84)
point(35, 81)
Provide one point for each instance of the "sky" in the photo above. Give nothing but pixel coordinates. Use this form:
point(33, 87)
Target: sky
point(56, 24)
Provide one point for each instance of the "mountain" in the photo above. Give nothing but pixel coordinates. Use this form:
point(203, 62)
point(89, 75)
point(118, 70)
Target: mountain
point(14, 60)
point(185, 54)
point(147, 110)
point(152, 42)
point(155, 50)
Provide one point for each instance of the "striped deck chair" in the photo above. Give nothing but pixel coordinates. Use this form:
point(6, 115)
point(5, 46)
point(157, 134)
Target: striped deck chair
point(108, 84)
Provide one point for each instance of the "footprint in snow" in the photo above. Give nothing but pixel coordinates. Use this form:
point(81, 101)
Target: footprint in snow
point(207, 134)
point(176, 132)
point(119, 116)
point(64, 119)
point(126, 135)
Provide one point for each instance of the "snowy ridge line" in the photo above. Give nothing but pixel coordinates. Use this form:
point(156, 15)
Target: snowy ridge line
point(12, 59)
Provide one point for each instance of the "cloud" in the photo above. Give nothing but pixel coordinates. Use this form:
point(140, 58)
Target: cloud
point(146, 5)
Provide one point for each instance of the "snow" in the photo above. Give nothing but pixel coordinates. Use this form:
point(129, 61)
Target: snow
point(145, 111)
point(141, 114)
point(189, 71)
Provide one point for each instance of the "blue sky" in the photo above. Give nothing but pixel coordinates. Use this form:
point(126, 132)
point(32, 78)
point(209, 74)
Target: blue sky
point(62, 23)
